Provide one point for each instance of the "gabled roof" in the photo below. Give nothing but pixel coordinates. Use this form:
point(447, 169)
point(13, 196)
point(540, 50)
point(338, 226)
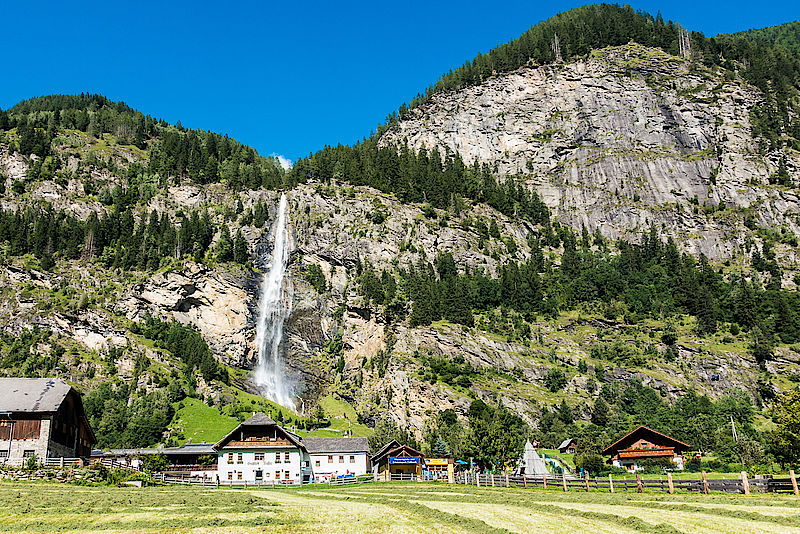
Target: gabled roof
point(32, 395)
point(408, 451)
point(40, 395)
point(386, 448)
point(335, 445)
point(260, 419)
point(565, 443)
point(641, 432)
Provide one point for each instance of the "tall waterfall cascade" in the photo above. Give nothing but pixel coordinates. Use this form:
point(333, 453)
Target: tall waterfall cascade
point(275, 305)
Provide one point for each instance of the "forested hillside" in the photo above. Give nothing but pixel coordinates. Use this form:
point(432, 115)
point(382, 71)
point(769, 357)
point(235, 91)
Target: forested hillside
point(589, 228)
point(785, 35)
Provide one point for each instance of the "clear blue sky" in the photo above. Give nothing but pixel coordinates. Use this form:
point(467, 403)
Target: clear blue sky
point(285, 78)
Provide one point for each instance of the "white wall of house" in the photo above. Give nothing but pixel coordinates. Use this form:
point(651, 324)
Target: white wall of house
point(276, 464)
point(338, 463)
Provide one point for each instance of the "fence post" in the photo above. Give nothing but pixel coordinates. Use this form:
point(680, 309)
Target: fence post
point(669, 482)
point(492, 479)
point(525, 480)
point(478, 479)
point(62, 461)
point(705, 482)
point(564, 480)
point(610, 484)
point(507, 479)
point(586, 479)
point(544, 481)
point(638, 483)
point(745, 483)
point(794, 482)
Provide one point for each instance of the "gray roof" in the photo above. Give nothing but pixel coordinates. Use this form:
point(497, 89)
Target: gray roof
point(325, 445)
point(32, 395)
point(258, 419)
point(192, 448)
point(124, 452)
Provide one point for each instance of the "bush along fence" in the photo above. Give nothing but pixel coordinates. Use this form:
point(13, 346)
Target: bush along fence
point(741, 484)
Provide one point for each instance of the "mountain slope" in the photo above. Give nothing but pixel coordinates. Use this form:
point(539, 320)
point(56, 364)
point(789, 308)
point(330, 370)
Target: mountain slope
point(626, 138)
point(785, 35)
point(561, 249)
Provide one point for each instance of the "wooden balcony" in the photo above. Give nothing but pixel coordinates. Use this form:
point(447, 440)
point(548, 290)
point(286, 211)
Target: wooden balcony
point(647, 453)
point(258, 444)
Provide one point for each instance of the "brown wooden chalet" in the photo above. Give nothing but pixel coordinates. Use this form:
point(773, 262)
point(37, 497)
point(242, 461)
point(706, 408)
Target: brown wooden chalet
point(643, 443)
point(398, 462)
point(42, 417)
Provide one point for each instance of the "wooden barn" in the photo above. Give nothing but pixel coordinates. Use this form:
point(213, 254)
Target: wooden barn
point(568, 446)
point(42, 417)
point(645, 443)
point(398, 462)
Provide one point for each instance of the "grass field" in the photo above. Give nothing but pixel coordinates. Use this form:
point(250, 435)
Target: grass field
point(395, 507)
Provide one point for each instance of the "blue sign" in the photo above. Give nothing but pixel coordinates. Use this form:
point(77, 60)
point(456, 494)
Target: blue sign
point(403, 461)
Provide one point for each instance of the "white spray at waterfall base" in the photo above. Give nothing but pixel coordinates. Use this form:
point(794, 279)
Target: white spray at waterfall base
point(275, 305)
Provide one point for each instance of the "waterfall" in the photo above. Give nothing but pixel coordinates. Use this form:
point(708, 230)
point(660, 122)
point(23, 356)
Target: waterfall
point(275, 305)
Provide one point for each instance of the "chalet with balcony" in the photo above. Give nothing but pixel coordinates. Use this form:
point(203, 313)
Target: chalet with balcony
point(260, 451)
point(42, 417)
point(645, 443)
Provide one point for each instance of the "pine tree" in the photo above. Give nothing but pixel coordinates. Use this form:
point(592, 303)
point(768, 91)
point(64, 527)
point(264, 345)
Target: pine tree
point(240, 253)
point(600, 412)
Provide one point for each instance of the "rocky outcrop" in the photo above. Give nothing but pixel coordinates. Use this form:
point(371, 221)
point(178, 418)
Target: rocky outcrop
point(215, 301)
point(625, 138)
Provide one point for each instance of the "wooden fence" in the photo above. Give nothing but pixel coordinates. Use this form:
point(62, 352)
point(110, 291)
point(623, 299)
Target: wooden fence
point(741, 484)
point(66, 462)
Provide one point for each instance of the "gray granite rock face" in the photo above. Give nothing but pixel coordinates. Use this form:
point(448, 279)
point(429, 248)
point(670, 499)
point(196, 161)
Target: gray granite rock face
point(625, 138)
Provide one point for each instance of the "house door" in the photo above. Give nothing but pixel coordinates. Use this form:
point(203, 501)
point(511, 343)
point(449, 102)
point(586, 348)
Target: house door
point(259, 474)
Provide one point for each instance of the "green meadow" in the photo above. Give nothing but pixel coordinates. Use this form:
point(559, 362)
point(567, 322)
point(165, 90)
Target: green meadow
point(384, 507)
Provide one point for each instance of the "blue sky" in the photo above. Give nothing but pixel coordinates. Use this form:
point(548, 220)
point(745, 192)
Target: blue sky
point(286, 79)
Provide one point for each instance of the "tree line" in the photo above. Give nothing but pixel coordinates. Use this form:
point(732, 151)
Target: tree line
point(441, 180)
point(116, 238)
point(647, 279)
point(173, 151)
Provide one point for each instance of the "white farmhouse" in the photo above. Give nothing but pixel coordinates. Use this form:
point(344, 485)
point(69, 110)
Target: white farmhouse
point(334, 457)
point(260, 451)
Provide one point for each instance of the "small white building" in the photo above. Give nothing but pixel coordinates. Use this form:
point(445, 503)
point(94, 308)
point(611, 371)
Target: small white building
point(335, 457)
point(260, 451)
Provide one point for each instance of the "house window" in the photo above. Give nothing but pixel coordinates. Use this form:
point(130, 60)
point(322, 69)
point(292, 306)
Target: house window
point(230, 457)
point(259, 457)
point(277, 457)
point(316, 463)
point(239, 459)
point(286, 458)
point(230, 476)
point(277, 475)
point(341, 459)
point(239, 475)
point(352, 459)
point(286, 475)
point(28, 453)
point(330, 458)
point(3, 454)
